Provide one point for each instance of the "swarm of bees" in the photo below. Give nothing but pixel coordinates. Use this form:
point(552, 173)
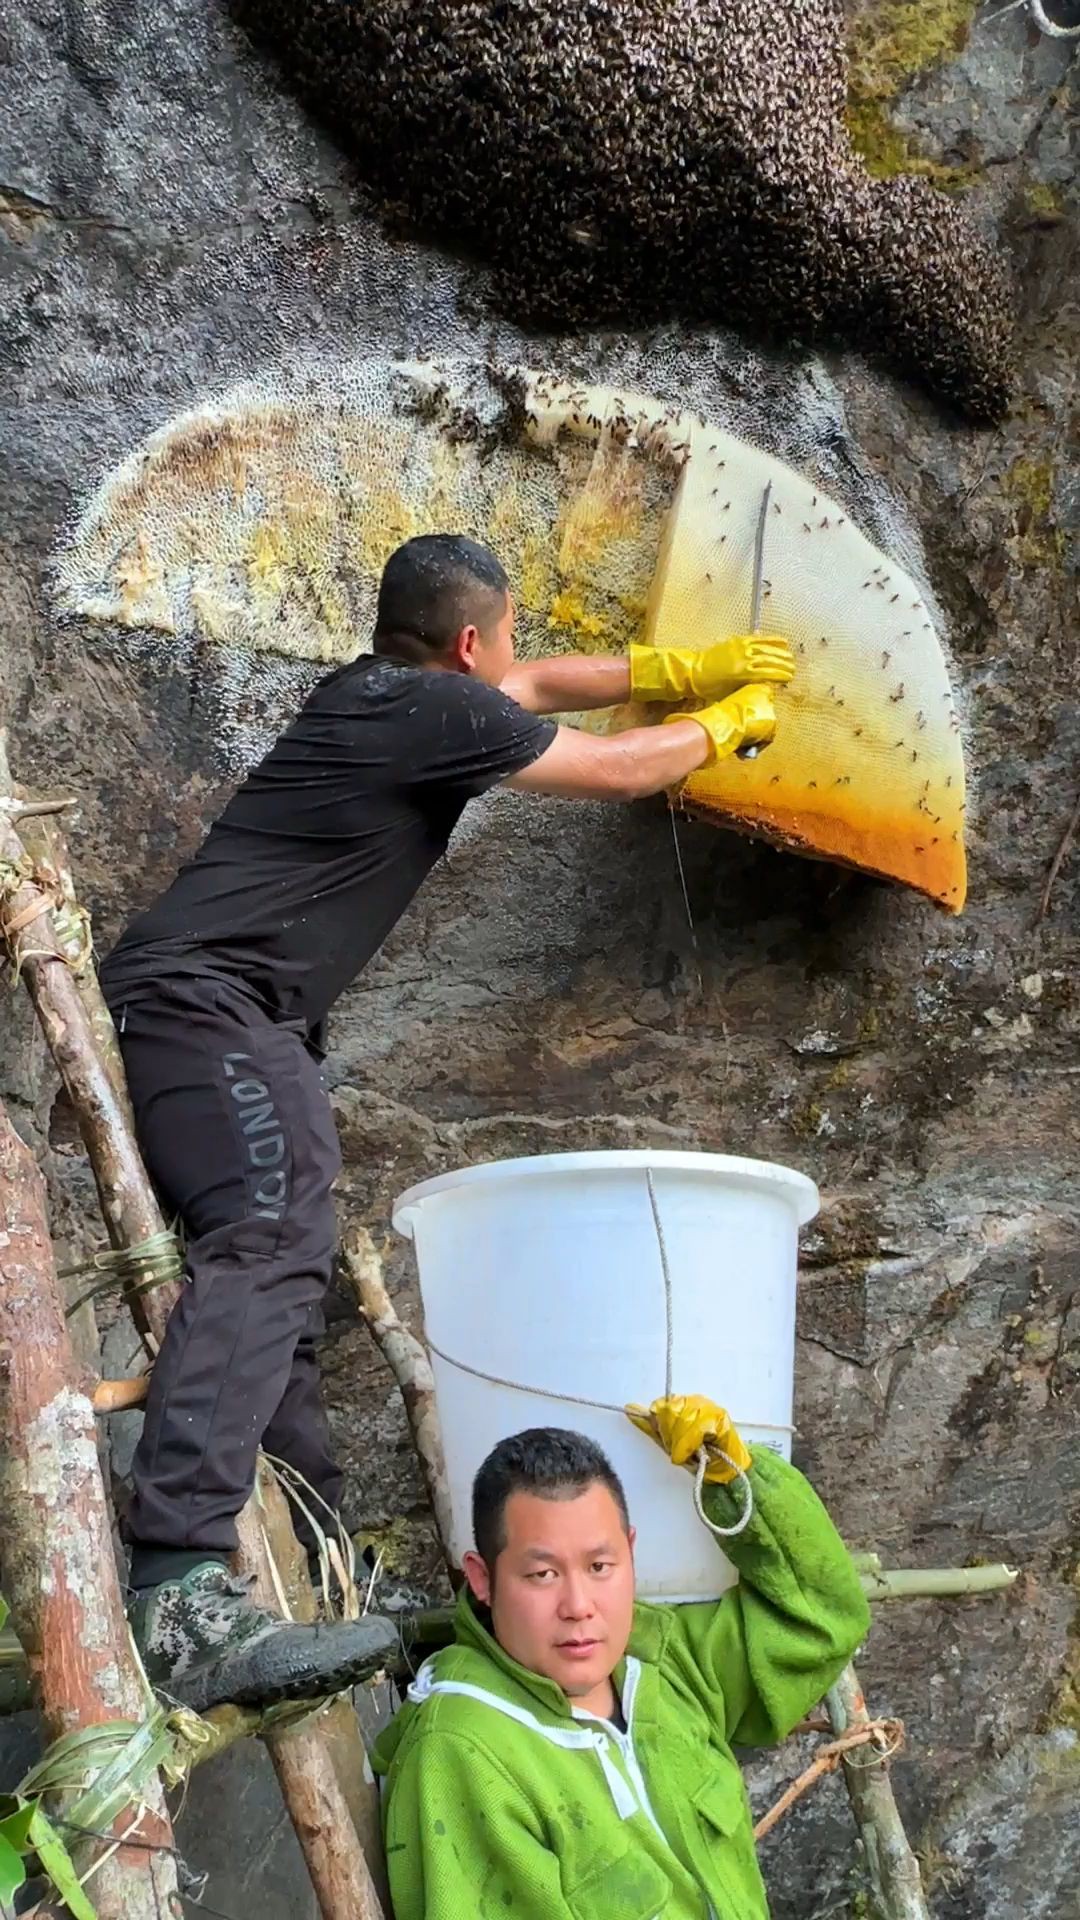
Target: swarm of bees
point(628, 161)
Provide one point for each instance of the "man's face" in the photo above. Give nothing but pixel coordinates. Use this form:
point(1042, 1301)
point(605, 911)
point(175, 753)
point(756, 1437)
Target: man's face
point(488, 653)
point(562, 1599)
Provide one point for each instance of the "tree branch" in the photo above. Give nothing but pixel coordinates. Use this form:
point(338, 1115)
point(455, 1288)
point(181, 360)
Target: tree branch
point(116, 1396)
point(409, 1364)
point(826, 1760)
point(128, 1205)
point(1073, 821)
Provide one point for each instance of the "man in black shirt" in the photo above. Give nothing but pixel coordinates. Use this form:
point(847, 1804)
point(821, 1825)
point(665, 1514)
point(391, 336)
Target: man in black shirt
point(220, 990)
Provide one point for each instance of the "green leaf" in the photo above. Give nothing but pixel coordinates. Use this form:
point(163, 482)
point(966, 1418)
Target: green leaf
point(57, 1863)
point(16, 1823)
point(4, 1610)
point(12, 1872)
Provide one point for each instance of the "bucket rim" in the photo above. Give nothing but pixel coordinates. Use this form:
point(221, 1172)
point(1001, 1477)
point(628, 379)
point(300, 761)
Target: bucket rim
point(788, 1182)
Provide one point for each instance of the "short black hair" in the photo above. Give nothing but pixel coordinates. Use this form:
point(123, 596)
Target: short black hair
point(432, 587)
point(554, 1462)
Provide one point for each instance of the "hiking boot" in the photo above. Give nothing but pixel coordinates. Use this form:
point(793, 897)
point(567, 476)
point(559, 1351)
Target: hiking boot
point(202, 1642)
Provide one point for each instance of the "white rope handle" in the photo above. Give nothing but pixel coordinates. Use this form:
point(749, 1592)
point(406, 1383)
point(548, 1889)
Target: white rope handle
point(721, 1533)
point(1046, 25)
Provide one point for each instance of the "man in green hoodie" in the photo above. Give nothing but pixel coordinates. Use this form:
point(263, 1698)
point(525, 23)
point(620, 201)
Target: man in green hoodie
point(569, 1757)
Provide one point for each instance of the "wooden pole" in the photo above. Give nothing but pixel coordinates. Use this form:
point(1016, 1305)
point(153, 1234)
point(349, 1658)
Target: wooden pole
point(338, 1830)
point(55, 1541)
point(411, 1368)
point(116, 1396)
point(890, 1862)
point(41, 833)
point(128, 1206)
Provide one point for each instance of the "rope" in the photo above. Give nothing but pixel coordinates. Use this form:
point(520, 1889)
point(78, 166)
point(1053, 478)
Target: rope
point(15, 922)
point(1046, 25)
point(71, 922)
point(886, 1737)
point(516, 1386)
point(139, 1269)
point(721, 1533)
point(105, 1766)
point(608, 1406)
point(14, 876)
point(666, 1271)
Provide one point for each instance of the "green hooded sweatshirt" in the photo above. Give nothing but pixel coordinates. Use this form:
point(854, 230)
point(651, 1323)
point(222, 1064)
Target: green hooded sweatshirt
point(503, 1802)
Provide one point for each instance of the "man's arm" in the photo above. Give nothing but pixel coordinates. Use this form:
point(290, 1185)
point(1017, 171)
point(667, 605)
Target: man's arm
point(575, 682)
point(647, 760)
point(772, 1647)
point(569, 683)
point(628, 766)
point(461, 1839)
point(768, 1651)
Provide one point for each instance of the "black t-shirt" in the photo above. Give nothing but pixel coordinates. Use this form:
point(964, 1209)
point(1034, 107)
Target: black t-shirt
point(324, 845)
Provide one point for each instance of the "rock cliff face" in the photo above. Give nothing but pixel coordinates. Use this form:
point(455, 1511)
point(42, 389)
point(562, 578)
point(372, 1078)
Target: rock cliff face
point(172, 222)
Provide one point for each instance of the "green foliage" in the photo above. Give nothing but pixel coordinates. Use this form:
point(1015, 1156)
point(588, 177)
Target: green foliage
point(56, 1862)
point(12, 1871)
point(14, 1831)
point(26, 1835)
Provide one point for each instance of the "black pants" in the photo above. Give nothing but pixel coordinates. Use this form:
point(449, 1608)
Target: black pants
point(237, 1134)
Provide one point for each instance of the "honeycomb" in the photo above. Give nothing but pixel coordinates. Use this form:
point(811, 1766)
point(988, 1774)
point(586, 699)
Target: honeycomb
point(261, 523)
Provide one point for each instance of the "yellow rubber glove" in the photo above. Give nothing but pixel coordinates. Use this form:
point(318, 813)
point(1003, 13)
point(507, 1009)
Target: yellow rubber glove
point(683, 1423)
point(707, 673)
point(744, 719)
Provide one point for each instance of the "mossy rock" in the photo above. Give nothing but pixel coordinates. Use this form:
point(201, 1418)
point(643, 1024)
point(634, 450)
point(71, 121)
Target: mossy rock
point(1030, 485)
point(888, 46)
point(890, 43)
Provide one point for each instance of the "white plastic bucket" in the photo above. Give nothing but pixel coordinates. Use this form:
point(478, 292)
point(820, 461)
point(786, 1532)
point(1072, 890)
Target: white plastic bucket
point(547, 1273)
